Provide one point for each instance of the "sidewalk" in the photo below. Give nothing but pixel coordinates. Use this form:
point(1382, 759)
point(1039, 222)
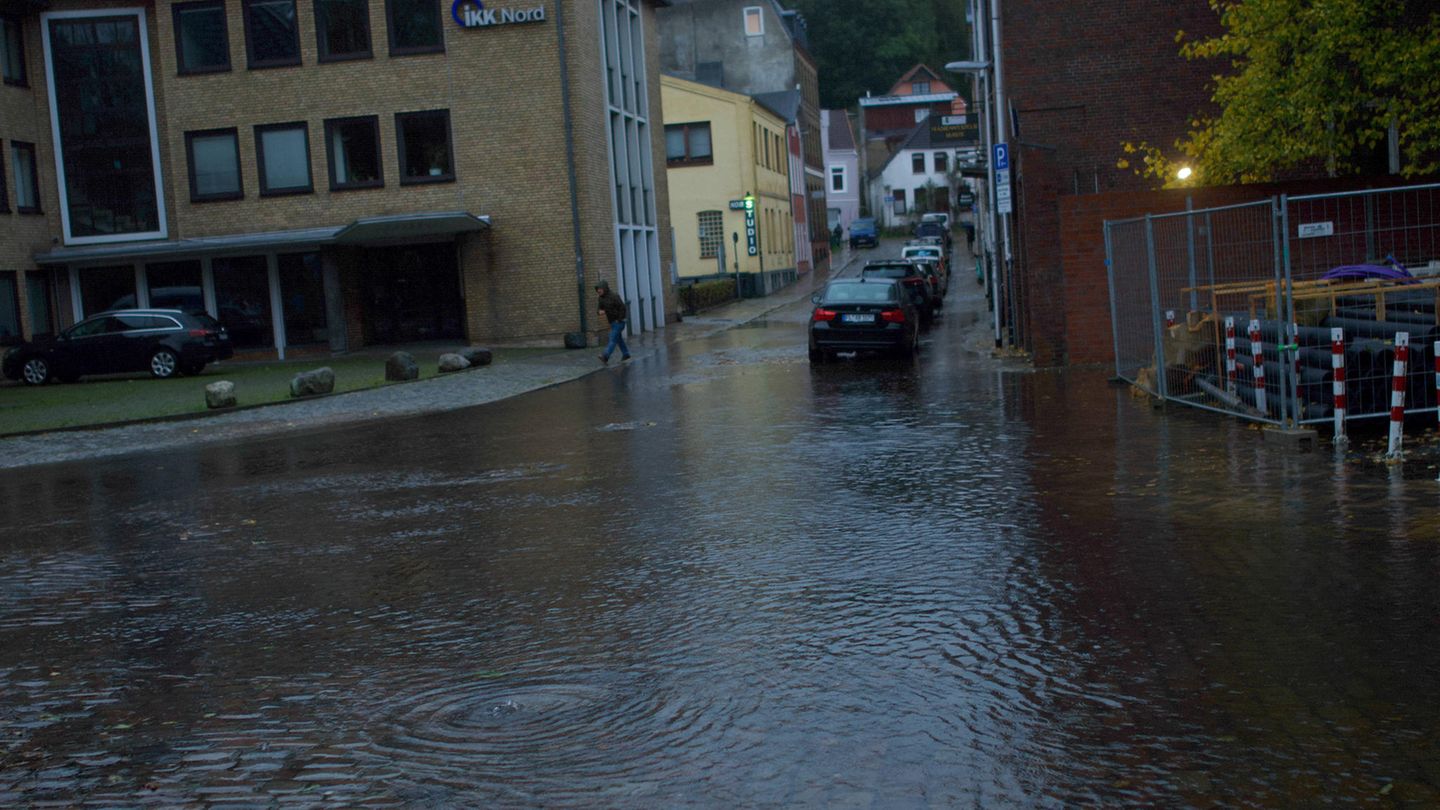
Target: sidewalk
point(459, 390)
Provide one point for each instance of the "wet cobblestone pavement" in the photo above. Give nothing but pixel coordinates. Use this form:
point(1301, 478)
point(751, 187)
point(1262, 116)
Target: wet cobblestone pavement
point(719, 577)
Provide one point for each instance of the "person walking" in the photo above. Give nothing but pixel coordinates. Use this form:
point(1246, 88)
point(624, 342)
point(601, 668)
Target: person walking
point(615, 312)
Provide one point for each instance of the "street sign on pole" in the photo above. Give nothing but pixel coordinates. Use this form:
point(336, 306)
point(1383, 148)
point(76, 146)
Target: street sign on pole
point(1002, 156)
point(1002, 191)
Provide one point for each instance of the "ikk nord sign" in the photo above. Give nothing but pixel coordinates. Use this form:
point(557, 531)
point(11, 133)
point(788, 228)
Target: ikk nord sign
point(474, 14)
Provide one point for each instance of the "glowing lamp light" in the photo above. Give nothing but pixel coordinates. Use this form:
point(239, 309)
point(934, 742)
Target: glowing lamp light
point(1184, 173)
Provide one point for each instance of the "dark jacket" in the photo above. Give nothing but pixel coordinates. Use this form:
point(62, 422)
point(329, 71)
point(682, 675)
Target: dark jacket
point(613, 306)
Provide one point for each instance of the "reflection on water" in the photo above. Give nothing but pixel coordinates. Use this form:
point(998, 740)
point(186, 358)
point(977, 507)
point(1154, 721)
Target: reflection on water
point(740, 583)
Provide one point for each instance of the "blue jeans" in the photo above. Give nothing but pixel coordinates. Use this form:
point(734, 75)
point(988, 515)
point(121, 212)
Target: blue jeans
point(617, 338)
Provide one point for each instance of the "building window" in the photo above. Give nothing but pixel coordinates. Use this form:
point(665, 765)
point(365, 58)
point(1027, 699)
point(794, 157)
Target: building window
point(354, 145)
point(242, 300)
point(283, 154)
point(9, 309)
point(942, 162)
point(37, 294)
point(106, 288)
point(754, 21)
point(12, 52)
point(272, 35)
point(414, 26)
point(202, 43)
point(917, 163)
point(27, 185)
point(919, 88)
point(214, 165)
point(423, 141)
point(109, 188)
point(688, 144)
point(302, 297)
point(175, 285)
point(712, 233)
point(837, 178)
point(4, 198)
point(898, 196)
point(342, 29)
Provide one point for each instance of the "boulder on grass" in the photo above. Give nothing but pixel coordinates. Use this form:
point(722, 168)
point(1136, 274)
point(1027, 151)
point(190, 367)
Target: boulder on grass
point(220, 394)
point(401, 366)
point(310, 383)
point(452, 362)
point(477, 356)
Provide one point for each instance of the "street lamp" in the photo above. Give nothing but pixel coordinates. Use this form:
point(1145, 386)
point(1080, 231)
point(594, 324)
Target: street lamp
point(1184, 173)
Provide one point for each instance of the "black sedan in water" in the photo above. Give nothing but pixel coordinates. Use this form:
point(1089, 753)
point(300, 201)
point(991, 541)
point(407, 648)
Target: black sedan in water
point(867, 314)
point(164, 342)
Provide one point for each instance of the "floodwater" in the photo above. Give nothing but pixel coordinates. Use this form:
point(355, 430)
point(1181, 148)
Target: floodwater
point(718, 577)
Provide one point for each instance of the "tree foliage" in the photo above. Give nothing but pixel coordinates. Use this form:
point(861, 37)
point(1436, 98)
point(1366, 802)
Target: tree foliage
point(862, 45)
point(1313, 83)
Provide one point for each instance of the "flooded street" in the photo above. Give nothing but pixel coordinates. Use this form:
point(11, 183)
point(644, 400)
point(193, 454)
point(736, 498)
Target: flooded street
point(719, 577)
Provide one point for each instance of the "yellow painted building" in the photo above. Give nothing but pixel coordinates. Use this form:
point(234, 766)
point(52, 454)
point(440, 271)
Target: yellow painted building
point(719, 146)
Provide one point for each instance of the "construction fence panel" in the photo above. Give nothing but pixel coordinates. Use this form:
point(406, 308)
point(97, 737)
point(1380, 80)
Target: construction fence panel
point(1131, 312)
point(1366, 263)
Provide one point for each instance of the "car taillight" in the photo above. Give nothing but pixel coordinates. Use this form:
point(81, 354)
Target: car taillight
point(893, 316)
point(200, 333)
point(822, 314)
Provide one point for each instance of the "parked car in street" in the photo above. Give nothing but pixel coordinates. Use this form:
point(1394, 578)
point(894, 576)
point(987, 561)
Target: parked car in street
point(865, 314)
point(864, 231)
point(942, 217)
point(926, 250)
point(938, 283)
point(164, 342)
point(912, 277)
point(932, 228)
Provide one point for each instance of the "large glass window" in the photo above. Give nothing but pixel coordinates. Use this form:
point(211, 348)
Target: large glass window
point(302, 296)
point(272, 35)
point(712, 233)
point(414, 26)
point(37, 293)
point(12, 52)
point(102, 112)
point(214, 165)
point(9, 309)
point(354, 145)
point(242, 300)
point(202, 41)
point(342, 29)
point(175, 285)
point(107, 288)
point(423, 139)
point(688, 144)
point(27, 185)
point(283, 152)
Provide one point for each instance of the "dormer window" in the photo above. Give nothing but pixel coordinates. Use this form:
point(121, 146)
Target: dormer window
point(919, 88)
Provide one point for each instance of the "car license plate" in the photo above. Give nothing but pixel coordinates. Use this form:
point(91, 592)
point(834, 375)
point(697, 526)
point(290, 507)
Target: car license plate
point(858, 317)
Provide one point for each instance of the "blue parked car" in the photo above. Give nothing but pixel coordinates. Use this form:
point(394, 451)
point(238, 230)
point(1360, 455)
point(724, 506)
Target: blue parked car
point(863, 231)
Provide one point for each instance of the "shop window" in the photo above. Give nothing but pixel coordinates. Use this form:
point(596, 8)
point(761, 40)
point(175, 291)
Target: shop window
point(175, 285)
point(688, 144)
point(342, 29)
point(12, 52)
point(354, 145)
point(754, 21)
point(9, 309)
point(27, 185)
point(283, 154)
point(942, 162)
point(242, 300)
point(214, 165)
point(837, 178)
point(423, 141)
point(917, 163)
point(414, 26)
point(302, 299)
point(37, 295)
point(106, 288)
point(712, 233)
point(272, 35)
point(202, 43)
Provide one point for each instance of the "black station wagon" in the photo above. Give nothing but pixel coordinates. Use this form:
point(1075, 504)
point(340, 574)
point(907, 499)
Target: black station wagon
point(164, 342)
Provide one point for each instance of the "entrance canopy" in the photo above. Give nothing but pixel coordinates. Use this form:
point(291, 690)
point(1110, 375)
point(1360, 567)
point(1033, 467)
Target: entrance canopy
point(363, 231)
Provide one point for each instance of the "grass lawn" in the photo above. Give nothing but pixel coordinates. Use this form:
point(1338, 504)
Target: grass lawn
point(103, 400)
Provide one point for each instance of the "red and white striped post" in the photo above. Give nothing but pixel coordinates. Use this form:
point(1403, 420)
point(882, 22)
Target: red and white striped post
point(1397, 394)
point(1230, 354)
point(1257, 357)
point(1337, 364)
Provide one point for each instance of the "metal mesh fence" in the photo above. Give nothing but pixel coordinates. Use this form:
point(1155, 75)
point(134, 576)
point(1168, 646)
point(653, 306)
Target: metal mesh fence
point(1283, 274)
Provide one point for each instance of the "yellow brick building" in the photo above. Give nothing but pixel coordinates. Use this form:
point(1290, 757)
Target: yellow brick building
point(326, 174)
point(721, 146)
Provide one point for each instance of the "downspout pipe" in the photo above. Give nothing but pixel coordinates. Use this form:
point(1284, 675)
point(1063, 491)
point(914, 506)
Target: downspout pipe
point(570, 173)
